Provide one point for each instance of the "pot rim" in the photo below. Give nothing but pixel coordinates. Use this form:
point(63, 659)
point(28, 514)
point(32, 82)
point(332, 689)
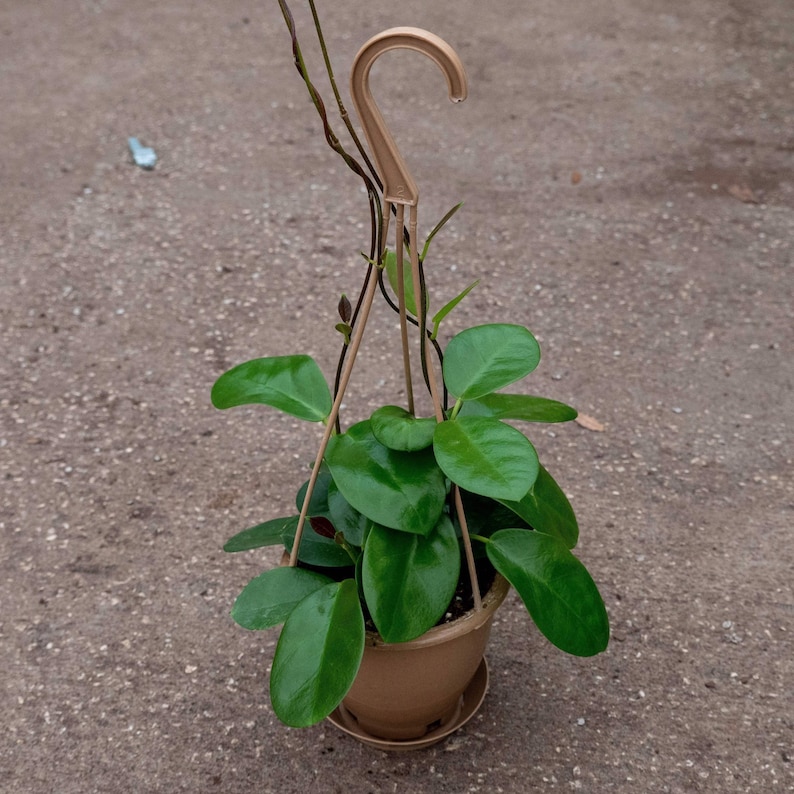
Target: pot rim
point(470, 621)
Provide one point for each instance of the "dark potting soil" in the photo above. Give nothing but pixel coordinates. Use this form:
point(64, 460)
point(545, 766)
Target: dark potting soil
point(463, 600)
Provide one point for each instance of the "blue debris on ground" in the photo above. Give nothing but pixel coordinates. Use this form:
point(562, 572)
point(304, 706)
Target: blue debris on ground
point(144, 156)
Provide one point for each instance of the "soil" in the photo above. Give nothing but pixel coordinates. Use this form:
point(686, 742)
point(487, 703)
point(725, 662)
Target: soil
point(463, 600)
point(628, 173)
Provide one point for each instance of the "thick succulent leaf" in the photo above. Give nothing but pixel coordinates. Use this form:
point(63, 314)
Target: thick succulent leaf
point(486, 456)
point(345, 518)
point(395, 428)
point(485, 358)
point(401, 490)
point(268, 599)
point(484, 516)
point(318, 504)
point(556, 588)
point(293, 384)
point(318, 654)
point(524, 407)
point(547, 509)
point(409, 580)
point(270, 533)
point(316, 549)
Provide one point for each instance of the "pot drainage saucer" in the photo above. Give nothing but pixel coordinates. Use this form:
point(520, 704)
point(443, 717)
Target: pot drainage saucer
point(471, 700)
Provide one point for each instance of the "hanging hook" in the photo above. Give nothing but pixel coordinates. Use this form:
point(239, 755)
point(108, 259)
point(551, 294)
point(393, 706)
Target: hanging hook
point(398, 185)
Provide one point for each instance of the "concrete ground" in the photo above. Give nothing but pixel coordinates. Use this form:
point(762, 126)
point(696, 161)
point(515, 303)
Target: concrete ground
point(628, 172)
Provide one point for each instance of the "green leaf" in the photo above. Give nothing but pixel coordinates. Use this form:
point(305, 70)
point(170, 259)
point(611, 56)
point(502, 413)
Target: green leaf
point(401, 490)
point(271, 533)
point(484, 516)
point(268, 599)
point(318, 655)
point(317, 550)
point(345, 518)
point(448, 307)
point(547, 509)
point(485, 358)
point(409, 580)
point(318, 504)
point(556, 588)
point(293, 384)
point(345, 330)
point(524, 407)
point(390, 265)
point(395, 428)
point(486, 456)
point(437, 228)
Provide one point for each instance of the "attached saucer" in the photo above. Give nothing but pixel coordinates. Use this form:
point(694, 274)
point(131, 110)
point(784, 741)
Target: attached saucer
point(472, 699)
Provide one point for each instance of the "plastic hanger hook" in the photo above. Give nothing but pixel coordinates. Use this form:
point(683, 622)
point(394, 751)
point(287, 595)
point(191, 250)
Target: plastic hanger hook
point(398, 185)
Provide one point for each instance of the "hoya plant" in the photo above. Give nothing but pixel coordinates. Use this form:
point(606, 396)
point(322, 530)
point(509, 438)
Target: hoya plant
point(402, 508)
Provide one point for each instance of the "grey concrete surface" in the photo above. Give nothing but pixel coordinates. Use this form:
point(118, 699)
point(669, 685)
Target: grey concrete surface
point(628, 172)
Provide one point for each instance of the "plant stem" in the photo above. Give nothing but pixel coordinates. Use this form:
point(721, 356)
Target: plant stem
point(413, 321)
point(340, 541)
point(409, 388)
point(340, 105)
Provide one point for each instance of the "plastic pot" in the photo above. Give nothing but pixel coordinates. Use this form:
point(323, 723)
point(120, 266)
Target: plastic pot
point(406, 691)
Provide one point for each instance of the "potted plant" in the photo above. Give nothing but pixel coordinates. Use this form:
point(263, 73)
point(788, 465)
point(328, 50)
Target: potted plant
point(406, 519)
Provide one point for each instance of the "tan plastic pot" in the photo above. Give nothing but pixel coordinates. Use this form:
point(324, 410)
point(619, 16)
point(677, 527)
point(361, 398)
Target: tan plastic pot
point(407, 690)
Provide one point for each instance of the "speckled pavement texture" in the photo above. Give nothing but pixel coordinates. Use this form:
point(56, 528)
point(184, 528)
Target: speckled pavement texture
point(628, 173)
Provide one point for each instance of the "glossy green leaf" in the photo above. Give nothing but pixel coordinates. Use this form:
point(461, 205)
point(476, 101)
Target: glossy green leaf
point(409, 580)
point(524, 407)
point(318, 654)
point(485, 358)
point(484, 516)
point(395, 428)
point(317, 550)
point(486, 456)
point(268, 599)
point(401, 490)
point(547, 509)
point(293, 384)
point(346, 518)
point(270, 533)
point(318, 504)
point(556, 588)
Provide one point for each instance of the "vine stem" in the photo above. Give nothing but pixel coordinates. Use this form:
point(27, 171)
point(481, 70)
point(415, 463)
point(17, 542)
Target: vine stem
point(340, 105)
point(399, 252)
